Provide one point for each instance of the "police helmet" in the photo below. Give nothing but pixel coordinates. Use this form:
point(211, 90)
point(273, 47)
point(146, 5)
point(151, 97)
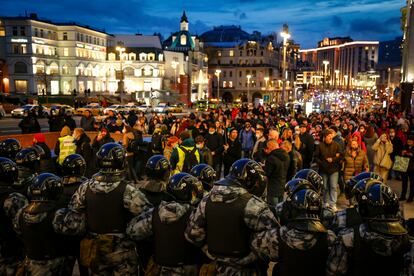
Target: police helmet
point(305, 211)
point(248, 174)
point(28, 158)
point(45, 186)
point(73, 165)
point(111, 156)
point(8, 171)
point(40, 151)
point(354, 180)
point(313, 177)
point(379, 207)
point(158, 167)
point(9, 148)
point(297, 184)
point(185, 188)
point(206, 174)
point(360, 188)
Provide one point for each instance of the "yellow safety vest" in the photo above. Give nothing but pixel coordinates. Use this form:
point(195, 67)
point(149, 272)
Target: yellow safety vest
point(181, 157)
point(66, 146)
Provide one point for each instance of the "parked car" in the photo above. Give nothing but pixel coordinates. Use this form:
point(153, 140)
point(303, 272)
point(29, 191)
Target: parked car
point(161, 108)
point(56, 107)
point(116, 108)
point(145, 108)
point(2, 111)
point(175, 108)
point(94, 109)
point(18, 112)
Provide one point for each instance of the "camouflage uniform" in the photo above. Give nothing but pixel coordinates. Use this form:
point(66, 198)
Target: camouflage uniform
point(50, 267)
point(141, 227)
point(122, 259)
point(339, 259)
point(11, 205)
point(257, 217)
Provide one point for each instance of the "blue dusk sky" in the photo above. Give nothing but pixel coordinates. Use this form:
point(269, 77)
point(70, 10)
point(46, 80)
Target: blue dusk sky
point(309, 20)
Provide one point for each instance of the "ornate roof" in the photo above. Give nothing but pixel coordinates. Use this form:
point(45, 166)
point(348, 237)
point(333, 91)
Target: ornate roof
point(225, 34)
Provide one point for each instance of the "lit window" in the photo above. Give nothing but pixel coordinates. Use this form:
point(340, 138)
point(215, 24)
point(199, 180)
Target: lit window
point(219, 53)
point(224, 83)
point(65, 52)
point(183, 39)
point(65, 36)
point(231, 53)
point(230, 84)
point(20, 86)
point(65, 70)
point(23, 48)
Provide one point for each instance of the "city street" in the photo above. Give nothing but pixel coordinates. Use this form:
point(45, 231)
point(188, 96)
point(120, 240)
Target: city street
point(9, 125)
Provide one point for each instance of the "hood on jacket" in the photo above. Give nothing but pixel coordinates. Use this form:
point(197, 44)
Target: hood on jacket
point(152, 185)
point(189, 142)
point(172, 211)
point(221, 193)
point(302, 240)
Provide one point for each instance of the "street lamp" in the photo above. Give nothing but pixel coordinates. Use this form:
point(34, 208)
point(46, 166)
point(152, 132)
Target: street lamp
point(336, 78)
point(248, 87)
point(174, 65)
point(346, 81)
point(218, 72)
point(121, 79)
point(285, 35)
point(325, 63)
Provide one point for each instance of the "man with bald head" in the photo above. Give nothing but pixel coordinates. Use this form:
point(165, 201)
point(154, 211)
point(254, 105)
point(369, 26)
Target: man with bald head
point(276, 167)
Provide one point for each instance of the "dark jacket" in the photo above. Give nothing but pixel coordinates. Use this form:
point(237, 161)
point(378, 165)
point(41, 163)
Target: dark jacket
point(295, 164)
point(84, 148)
point(324, 151)
point(29, 124)
point(70, 122)
point(306, 149)
point(233, 153)
point(276, 167)
point(397, 147)
point(87, 123)
point(215, 143)
point(410, 154)
point(258, 153)
point(46, 164)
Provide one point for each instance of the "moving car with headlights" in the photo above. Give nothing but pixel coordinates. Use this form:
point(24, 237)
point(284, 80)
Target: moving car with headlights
point(54, 109)
point(117, 108)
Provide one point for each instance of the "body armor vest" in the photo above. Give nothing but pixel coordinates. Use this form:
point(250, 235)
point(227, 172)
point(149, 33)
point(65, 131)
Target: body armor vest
point(365, 261)
point(222, 220)
point(40, 240)
point(171, 247)
point(105, 211)
point(10, 245)
point(353, 218)
point(311, 262)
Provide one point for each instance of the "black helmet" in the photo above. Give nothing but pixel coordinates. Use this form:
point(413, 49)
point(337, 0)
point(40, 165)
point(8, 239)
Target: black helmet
point(45, 186)
point(8, 171)
point(248, 174)
point(28, 158)
point(73, 165)
point(158, 167)
point(185, 188)
point(379, 207)
point(206, 174)
point(354, 180)
point(305, 211)
point(40, 151)
point(313, 177)
point(297, 184)
point(360, 188)
point(111, 156)
point(9, 148)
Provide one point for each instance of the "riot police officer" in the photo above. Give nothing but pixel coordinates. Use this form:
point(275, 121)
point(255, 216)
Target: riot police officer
point(206, 174)
point(28, 161)
point(158, 171)
point(173, 254)
point(313, 177)
point(43, 246)
point(355, 188)
point(11, 248)
point(377, 246)
point(107, 202)
point(9, 148)
point(233, 203)
point(73, 170)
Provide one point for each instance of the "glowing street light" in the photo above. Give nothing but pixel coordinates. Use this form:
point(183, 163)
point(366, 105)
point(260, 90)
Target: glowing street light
point(248, 86)
point(217, 73)
point(285, 35)
point(325, 63)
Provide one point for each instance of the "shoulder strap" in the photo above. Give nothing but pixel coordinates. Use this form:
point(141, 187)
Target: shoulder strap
point(183, 149)
point(193, 150)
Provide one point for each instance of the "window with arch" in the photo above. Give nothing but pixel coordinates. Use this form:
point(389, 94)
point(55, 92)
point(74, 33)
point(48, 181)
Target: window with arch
point(65, 69)
point(129, 71)
point(80, 69)
point(143, 56)
point(53, 69)
point(132, 56)
point(151, 56)
point(20, 67)
point(111, 56)
point(183, 39)
point(40, 67)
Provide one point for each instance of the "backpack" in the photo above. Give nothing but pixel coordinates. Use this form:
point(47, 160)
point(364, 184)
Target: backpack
point(190, 159)
point(137, 145)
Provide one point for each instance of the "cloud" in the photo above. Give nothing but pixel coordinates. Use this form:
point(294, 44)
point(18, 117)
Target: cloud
point(336, 21)
point(369, 26)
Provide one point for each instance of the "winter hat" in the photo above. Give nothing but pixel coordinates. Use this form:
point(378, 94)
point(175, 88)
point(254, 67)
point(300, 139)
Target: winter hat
point(39, 137)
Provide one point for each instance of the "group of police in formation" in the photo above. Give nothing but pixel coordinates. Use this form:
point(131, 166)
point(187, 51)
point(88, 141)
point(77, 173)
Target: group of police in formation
point(188, 223)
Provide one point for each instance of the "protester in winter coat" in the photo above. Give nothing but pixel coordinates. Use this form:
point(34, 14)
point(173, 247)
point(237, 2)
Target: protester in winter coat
point(408, 152)
point(205, 152)
point(232, 150)
point(382, 160)
point(83, 148)
point(87, 121)
point(355, 161)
